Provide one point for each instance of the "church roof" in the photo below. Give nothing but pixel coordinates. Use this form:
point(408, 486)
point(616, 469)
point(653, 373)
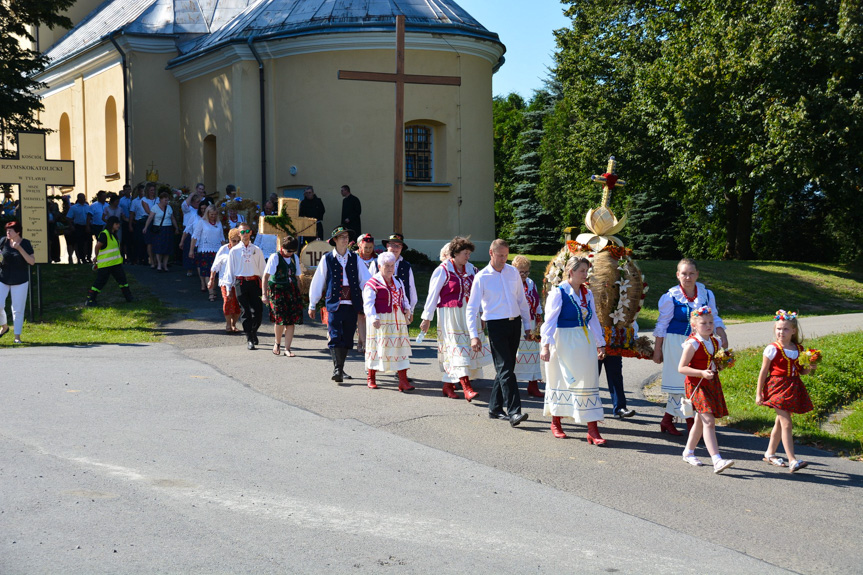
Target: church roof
point(201, 26)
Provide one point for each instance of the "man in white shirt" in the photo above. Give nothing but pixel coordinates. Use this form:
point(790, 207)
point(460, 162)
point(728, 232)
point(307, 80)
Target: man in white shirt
point(497, 290)
point(244, 269)
point(340, 279)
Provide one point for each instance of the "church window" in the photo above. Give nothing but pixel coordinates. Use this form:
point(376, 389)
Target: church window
point(112, 170)
point(65, 138)
point(418, 153)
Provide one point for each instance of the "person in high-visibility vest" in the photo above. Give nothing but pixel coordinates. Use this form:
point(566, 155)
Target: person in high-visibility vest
point(109, 262)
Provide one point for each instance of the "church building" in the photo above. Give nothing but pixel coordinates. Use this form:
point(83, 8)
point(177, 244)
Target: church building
point(248, 92)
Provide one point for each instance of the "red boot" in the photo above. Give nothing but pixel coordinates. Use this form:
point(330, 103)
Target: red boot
point(667, 425)
point(404, 385)
point(469, 393)
point(593, 435)
point(449, 390)
point(690, 421)
point(370, 380)
point(556, 429)
point(533, 389)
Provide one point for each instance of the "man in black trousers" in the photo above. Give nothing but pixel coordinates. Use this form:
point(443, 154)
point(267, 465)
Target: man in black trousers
point(497, 289)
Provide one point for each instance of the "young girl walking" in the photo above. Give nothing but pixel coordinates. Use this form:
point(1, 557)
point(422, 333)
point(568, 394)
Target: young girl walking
point(703, 389)
point(780, 387)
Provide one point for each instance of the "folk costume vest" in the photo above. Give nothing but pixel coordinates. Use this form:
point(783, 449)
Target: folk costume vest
point(403, 272)
point(334, 282)
point(680, 320)
point(387, 297)
point(456, 291)
point(286, 273)
point(783, 365)
point(110, 256)
point(571, 313)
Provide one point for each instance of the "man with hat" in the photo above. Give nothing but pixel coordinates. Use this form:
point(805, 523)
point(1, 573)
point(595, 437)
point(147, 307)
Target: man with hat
point(395, 244)
point(339, 279)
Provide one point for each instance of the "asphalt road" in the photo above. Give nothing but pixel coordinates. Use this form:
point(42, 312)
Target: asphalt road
point(198, 456)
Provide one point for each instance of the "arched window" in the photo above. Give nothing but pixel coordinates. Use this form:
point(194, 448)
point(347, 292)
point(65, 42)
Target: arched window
point(210, 158)
point(112, 167)
point(65, 138)
point(419, 158)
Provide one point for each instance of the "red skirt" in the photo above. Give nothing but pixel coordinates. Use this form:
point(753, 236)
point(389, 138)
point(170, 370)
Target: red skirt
point(230, 305)
point(708, 398)
point(787, 393)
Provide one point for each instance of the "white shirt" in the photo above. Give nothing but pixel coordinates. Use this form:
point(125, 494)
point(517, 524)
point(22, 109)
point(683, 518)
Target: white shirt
point(370, 294)
point(244, 262)
point(553, 305)
point(322, 274)
point(696, 343)
point(666, 307)
point(157, 212)
point(501, 296)
point(273, 263)
point(220, 263)
point(770, 352)
point(438, 280)
point(190, 217)
point(412, 296)
point(208, 237)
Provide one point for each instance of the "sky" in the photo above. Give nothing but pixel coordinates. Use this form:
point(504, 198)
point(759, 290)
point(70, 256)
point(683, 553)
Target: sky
point(525, 27)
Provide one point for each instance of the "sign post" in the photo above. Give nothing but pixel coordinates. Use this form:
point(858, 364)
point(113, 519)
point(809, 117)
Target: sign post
point(32, 173)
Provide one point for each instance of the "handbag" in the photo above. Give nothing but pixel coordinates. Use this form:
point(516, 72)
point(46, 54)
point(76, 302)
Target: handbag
point(686, 403)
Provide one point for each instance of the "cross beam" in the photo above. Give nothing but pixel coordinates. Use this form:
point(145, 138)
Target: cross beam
point(399, 79)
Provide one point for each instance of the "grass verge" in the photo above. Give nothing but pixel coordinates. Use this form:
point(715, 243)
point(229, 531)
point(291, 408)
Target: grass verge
point(835, 385)
point(65, 320)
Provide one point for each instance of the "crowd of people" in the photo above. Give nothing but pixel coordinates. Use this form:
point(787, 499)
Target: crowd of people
point(485, 317)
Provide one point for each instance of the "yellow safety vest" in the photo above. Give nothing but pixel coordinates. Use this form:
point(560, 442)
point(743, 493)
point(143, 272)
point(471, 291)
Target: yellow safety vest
point(110, 256)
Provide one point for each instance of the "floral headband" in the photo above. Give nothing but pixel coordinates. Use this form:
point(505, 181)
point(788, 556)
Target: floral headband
point(703, 310)
point(785, 315)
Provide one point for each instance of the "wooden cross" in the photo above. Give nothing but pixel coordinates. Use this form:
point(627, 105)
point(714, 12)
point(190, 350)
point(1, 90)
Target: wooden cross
point(32, 173)
point(399, 79)
point(609, 181)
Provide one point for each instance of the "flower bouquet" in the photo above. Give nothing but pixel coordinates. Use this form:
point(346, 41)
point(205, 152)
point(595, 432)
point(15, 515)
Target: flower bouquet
point(724, 358)
point(809, 357)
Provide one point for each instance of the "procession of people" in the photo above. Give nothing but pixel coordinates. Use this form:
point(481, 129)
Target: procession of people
point(486, 318)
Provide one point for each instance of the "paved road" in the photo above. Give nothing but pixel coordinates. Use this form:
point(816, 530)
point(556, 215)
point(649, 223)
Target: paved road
point(197, 455)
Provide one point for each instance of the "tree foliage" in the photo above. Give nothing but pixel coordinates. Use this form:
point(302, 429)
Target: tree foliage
point(737, 124)
point(18, 64)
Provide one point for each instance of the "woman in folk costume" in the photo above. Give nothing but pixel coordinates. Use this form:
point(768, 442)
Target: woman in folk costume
point(572, 341)
point(673, 328)
point(449, 290)
point(385, 303)
point(527, 358)
point(367, 257)
point(281, 291)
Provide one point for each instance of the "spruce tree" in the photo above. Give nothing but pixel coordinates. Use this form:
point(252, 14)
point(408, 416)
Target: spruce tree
point(535, 230)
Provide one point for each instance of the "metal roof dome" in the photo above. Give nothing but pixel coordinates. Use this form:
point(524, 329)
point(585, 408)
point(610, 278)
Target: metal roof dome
point(273, 19)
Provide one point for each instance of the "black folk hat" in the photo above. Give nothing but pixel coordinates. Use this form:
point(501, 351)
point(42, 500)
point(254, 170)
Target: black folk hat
point(397, 238)
point(339, 230)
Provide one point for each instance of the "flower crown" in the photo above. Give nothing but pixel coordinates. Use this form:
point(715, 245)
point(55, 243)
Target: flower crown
point(785, 315)
point(703, 310)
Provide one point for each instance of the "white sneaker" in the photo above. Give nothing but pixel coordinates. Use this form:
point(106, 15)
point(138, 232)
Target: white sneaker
point(692, 460)
point(722, 465)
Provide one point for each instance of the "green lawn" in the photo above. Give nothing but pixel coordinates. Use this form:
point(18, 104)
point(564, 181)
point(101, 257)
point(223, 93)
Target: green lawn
point(66, 321)
point(835, 385)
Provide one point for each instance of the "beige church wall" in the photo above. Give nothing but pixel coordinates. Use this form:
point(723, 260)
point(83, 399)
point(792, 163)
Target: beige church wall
point(317, 129)
point(223, 104)
point(84, 103)
point(154, 119)
point(97, 89)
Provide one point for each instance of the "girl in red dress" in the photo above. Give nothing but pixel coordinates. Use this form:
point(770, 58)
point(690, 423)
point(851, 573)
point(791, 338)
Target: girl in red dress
point(703, 388)
point(780, 387)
